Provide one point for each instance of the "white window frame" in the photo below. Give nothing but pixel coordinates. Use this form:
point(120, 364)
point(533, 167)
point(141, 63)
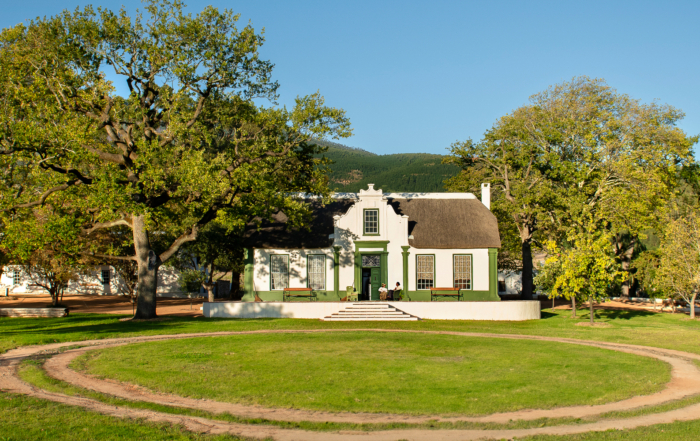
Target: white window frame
point(272, 276)
point(17, 277)
point(322, 274)
point(469, 275)
point(375, 221)
point(419, 285)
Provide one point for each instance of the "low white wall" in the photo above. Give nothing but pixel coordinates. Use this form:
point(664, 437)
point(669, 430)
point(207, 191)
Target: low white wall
point(492, 311)
point(310, 310)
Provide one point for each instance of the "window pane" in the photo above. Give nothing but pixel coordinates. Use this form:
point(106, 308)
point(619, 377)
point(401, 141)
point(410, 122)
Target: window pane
point(371, 260)
point(317, 273)
point(15, 277)
point(371, 221)
point(279, 271)
point(424, 271)
point(105, 277)
point(463, 272)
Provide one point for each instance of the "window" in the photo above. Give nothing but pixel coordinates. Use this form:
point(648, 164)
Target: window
point(463, 271)
point(425, 271)
point(370, 260)
point(316, 267)
point(15, 277)
point(106, 274)
point(279, 271)
point(501, 286)
point(372, 221)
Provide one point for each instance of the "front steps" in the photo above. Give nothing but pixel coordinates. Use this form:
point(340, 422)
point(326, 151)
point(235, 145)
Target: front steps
point(369, 312)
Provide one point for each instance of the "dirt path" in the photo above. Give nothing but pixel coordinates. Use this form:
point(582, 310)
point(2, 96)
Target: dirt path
point(104, 304)
point(685, 381)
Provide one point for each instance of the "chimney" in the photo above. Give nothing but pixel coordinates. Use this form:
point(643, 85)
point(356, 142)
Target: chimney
point(486, 195)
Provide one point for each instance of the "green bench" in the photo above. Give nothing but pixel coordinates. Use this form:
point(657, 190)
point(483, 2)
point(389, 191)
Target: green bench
point(289, 293)
point(445, 292)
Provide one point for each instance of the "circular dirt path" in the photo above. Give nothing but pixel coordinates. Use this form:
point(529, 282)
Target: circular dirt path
point(685, 381)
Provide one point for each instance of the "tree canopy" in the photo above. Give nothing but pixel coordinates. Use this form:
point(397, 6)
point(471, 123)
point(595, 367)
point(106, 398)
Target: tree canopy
point(187, 145)
point(580, 150)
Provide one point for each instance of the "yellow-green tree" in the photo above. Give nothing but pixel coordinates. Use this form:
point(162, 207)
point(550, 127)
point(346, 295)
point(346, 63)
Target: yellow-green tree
point(579, 149)
point(679, 269)
point(586, 270)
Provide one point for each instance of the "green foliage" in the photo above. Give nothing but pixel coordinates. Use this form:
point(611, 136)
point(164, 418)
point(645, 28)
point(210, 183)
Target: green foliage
point(579, 149)
point(352, 169)
point(679, 269)
point(186, 146)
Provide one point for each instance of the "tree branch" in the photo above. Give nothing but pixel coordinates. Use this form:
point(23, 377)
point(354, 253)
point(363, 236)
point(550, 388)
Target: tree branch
point(99, 225)
point(45, 195)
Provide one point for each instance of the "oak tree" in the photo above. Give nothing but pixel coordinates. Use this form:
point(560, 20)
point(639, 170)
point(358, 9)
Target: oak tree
point(186, 146)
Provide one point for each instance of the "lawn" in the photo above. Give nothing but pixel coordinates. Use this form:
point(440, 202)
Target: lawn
point(23, 418)
point(371, 372)
point(671, 331)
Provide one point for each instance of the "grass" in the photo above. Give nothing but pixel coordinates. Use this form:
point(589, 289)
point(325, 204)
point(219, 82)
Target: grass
point(632, 327)
point(25, 418)
point(394, 373)
point(678, 431)
point(671, 331)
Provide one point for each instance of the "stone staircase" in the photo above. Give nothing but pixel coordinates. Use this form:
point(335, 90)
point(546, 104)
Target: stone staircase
point(369, 311)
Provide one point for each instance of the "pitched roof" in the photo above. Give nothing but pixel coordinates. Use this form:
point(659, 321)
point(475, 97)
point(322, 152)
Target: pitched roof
point(433, 223)
point(276, 233)
point(448, 223)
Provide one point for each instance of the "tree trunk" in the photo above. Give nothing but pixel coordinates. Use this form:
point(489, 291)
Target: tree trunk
point(210, 291)
point(573, 305)
point(148, 264)
point(590, 307)
point(528, 288)
point(626, 263)
point(692, 305)
point(54, 296)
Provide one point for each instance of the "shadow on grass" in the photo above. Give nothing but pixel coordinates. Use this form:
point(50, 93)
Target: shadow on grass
point(621, 314)
point(91, 326)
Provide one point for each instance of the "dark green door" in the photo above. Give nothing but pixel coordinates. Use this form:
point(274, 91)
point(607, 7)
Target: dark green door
point(375, 280)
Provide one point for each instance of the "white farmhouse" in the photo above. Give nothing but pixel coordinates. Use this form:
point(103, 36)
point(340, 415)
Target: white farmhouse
point(437, 246)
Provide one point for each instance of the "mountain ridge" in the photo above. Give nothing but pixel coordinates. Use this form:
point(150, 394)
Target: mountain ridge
point(353, 168)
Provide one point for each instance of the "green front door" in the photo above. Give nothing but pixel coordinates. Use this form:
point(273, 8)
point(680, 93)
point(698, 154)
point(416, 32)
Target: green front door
point(376, 281)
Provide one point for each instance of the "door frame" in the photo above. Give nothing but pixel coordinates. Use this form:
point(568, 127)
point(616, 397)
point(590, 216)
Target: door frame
point(371, 247)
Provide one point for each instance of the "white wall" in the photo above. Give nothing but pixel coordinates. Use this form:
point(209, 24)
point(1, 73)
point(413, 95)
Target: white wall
point(297, 267)
point(444, 270)
point(91, 283)
point(492, 311)
point(514, 281)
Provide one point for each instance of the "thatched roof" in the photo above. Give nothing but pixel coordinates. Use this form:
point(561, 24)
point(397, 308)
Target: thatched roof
point(448, 223)
point(277, 233)
point(433, 223)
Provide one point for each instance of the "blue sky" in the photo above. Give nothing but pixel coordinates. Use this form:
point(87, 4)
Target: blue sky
point(415, 76)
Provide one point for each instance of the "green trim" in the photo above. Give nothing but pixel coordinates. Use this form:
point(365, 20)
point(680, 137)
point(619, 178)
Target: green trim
point(493, 273)
point(405, 254)
point(336, 270)
point(424, 289)
point(277, 296)
point(466, 296)
point(288, 268)
point(364, 219)
point(471, 270)
point(371, 244)
point(308, 278)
